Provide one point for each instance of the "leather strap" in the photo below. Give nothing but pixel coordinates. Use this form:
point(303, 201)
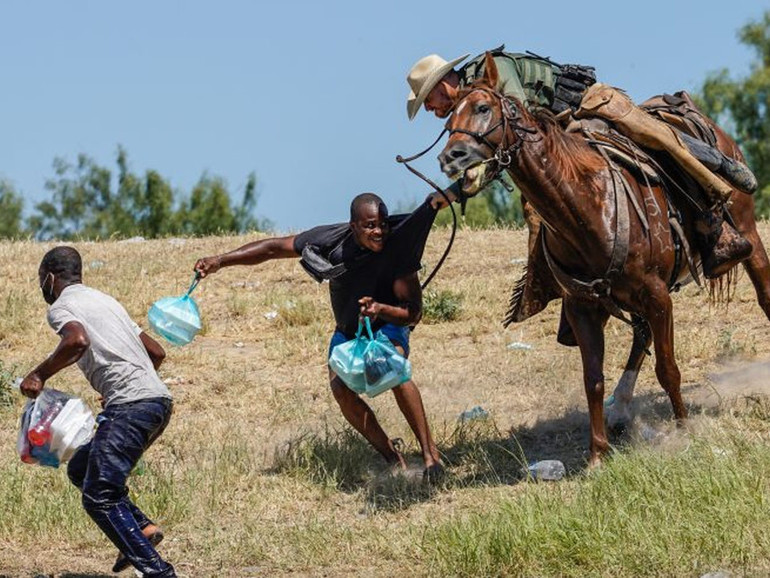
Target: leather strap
point(600, 289)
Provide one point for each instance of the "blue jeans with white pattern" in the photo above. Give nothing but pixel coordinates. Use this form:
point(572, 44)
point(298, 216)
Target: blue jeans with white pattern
point(100, 470)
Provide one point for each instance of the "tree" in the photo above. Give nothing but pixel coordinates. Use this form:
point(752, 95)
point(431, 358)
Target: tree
point(244, 215)
point(83, 204)
point(208, 209)
point(498, 204)
point(80, 204)
point(11, 206)
point(743, 106)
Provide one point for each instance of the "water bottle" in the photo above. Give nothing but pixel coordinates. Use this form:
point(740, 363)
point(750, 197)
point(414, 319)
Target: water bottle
point(40, 433)
point(547, 470)
point(476, 412)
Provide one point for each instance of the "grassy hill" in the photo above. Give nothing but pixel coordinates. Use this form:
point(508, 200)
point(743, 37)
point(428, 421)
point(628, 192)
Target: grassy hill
point(257, 474)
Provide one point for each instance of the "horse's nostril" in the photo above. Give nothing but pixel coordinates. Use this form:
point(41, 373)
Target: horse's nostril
point(458, 154)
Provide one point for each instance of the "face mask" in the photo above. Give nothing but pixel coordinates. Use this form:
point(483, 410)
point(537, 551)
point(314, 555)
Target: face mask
point(47, 290)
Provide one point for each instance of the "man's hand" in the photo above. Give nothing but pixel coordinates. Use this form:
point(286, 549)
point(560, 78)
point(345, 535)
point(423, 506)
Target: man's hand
point(32, 385)
point(438, 201)
point(208, 265)
point(369, 307)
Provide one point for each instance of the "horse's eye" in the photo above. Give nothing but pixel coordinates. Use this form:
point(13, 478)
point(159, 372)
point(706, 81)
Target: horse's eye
point(483, 108)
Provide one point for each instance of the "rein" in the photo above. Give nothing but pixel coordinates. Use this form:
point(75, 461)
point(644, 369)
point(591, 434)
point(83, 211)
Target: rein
point(599, 289)
point(463, 199)
point(503, 153)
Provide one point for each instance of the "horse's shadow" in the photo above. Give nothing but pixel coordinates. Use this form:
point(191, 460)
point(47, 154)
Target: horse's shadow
point(476, 453)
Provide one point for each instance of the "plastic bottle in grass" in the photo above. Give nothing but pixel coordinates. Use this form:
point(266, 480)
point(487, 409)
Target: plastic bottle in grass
point(551, 470)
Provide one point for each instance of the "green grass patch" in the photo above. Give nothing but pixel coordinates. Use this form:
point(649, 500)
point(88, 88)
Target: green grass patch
point(333, 459)
point(440, 306)
point(644, 513)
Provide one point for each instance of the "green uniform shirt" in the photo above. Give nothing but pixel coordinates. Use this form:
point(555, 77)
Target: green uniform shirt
point(526, 78)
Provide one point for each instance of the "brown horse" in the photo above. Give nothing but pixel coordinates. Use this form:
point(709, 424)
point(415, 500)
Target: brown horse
point(607, 258)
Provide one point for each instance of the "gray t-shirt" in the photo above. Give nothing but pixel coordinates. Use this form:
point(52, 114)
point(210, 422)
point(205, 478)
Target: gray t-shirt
point(116, 363)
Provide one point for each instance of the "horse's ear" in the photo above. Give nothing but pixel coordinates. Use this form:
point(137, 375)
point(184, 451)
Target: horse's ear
point(491, 75)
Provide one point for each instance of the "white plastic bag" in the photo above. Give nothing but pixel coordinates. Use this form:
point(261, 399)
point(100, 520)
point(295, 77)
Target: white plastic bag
point(53, 426)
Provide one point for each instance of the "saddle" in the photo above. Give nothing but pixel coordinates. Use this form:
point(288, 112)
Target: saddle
point(537, 286)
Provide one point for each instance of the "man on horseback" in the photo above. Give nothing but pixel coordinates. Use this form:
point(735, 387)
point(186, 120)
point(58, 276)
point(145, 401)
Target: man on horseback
point(572, 90)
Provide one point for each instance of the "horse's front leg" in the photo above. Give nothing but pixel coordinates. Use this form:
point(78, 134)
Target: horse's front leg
point(619, 411)
point(661, 317)
point(587, 321)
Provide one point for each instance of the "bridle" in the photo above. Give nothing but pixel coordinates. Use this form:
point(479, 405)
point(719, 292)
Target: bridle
point(503, 153)
point(502, 156)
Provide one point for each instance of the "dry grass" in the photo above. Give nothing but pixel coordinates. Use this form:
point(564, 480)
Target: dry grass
point(257, 475)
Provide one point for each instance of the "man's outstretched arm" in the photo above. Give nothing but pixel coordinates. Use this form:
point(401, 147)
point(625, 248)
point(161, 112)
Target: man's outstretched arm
point(250, 254)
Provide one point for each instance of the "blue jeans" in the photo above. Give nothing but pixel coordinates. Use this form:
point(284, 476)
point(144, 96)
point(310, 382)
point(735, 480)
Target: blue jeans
point(398, 335)
point(100, 470)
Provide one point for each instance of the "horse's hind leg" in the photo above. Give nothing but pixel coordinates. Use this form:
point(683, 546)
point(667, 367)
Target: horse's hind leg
point(619, 410)
point(661, 318)
point(758, 268)
point(587, 322)
point(757, 265)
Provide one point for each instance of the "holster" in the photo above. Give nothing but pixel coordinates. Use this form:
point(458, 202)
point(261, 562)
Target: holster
point(647, 131)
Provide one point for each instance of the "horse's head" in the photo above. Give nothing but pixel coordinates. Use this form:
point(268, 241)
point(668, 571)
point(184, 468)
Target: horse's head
point(477, 148)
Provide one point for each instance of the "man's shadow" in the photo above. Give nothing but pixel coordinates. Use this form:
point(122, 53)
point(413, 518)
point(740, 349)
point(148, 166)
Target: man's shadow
point(475, 453)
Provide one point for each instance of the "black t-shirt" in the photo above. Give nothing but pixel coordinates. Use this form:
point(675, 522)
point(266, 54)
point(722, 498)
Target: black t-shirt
point(369, 274)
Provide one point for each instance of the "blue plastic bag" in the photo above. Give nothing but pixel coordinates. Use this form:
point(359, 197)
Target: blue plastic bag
point(176, 319)
point(347, 360)
point(384, 366)
point(369, 363)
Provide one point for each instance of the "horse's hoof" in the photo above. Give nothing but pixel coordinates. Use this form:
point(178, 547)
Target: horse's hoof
point(619, 429)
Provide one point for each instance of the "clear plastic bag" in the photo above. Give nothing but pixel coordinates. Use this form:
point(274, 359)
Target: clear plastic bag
point(176, 319)
point(384, 366)
point(53, 426)
point(369, 363)
point(347, 360)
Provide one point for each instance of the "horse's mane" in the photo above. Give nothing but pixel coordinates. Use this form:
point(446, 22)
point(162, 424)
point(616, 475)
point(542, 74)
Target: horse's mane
point(575, 160)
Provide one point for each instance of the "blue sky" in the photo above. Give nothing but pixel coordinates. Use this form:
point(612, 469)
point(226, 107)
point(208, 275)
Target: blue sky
point(309, 95)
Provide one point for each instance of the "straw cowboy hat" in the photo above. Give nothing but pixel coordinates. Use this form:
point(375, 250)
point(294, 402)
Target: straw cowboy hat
point(425, 75)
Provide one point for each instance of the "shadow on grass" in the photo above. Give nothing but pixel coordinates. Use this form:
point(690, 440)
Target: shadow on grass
point(475, 453)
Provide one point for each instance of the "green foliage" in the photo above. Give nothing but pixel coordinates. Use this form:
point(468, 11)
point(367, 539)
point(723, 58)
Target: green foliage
point(83, 204)
point(496, 205)
point(439, 306)
point(80, 201)
point(642, 514)
point(11, 205)
point(743, 106)
point(208, 209)
point(7, 377)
